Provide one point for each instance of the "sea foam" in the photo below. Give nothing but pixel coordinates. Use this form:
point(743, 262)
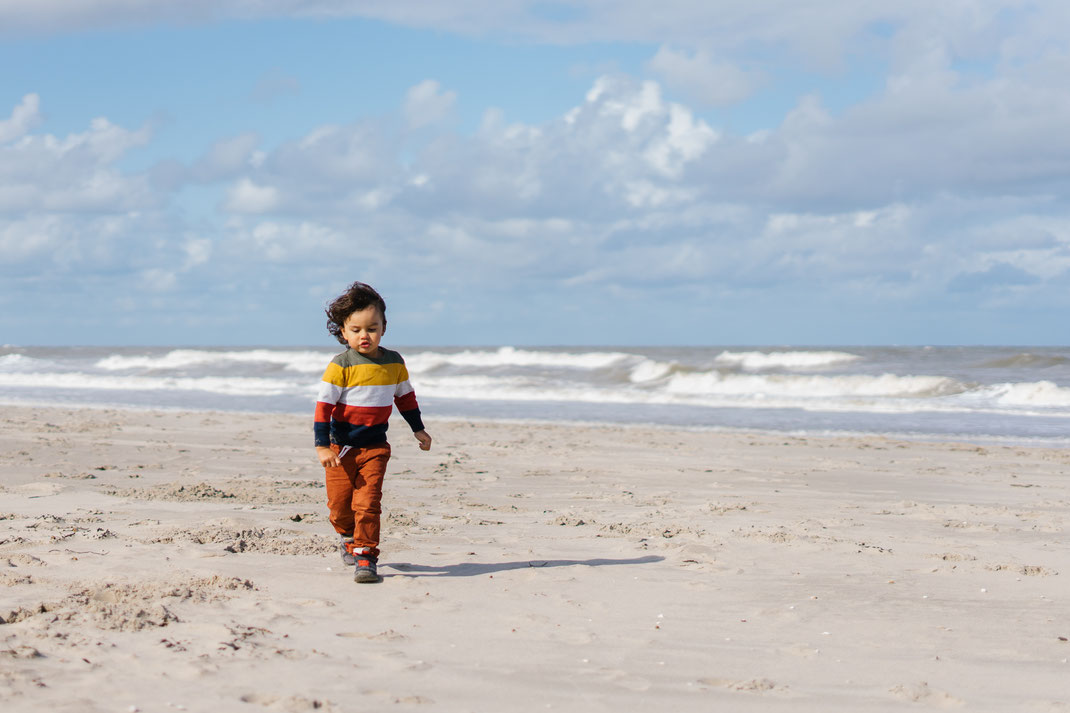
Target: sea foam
point(990, 389)
point(884, 385)
point(1038, 393)
point(231, 386)
point(420, 362)
point(19, 362)
point(301, 361)
point(755, 361)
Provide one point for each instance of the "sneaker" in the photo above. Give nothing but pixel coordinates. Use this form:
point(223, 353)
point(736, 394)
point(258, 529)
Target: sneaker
point(365, 569)
point(346, 545)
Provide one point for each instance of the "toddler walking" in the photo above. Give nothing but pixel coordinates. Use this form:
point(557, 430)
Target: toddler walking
point(355, 399)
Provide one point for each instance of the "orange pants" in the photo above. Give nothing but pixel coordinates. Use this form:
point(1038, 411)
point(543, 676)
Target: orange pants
point(355, 494)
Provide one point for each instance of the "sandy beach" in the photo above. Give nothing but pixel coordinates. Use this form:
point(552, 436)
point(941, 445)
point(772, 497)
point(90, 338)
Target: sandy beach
point(156, 561)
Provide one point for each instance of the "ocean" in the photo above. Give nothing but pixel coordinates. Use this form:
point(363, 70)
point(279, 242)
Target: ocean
point(977, 394)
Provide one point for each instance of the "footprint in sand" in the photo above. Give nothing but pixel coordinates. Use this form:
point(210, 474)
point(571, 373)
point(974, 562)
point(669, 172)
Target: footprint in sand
point(388, 635)
point(24, 560)
point(754, 685)
point(922, 693)
point(1026, 570)
point(624, 679)
point(289, 704)
point(39, 490)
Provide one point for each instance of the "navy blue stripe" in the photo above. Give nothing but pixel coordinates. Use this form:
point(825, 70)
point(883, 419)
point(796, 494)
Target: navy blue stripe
point(323, 433)
point(346, 434)
point(412, 416)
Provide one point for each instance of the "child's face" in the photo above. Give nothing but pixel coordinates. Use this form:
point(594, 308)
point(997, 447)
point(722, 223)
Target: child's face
point(363, 330)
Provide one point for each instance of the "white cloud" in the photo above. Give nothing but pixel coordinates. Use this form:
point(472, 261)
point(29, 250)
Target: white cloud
point(78, 219)
point(644, 194)
point(66, 247)
point(594, 197)
point(198, 251)
point(290, 242)
point(24, 239)
point(822, 32)
point(228, 157)
point(702, 79)
point(628, 188)
point(928, 135)
point(685, 141)
point(23, 118)
point(248, 197)
point(102, 143)
point(157, 279)
point(75, 173)
point(623, 136)
point(62, 16)
point(426, 104)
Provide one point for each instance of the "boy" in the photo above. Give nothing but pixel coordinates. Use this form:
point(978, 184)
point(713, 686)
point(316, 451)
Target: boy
point(352, 409)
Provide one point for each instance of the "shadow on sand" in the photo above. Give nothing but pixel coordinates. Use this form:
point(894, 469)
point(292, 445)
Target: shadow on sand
point(475, 569)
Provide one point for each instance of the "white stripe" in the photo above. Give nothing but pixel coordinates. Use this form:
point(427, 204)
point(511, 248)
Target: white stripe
point(368, 395)
point(403, 388)
point(329, 393)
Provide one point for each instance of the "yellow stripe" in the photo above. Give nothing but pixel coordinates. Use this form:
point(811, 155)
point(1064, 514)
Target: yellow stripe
point(365, 374)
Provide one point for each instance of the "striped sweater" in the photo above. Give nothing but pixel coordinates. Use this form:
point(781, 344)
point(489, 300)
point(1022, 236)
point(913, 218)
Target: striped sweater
point(357, 395)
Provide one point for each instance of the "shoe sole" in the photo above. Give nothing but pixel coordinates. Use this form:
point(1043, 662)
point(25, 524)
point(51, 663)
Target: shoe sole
point(366, 578)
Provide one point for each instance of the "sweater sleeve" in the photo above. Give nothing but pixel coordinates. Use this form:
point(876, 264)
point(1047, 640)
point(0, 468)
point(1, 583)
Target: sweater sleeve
point(405, 400)
point(330, 391)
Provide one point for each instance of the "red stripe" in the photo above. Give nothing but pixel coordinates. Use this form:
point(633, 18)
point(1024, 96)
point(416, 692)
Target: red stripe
point(407, 402)
point(363, 415)
point(323, 412)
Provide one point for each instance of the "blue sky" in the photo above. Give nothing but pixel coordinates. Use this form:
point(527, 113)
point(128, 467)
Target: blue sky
point(536, 173)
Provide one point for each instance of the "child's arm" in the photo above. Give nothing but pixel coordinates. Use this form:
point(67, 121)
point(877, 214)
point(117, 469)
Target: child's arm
point(328, 458)
point(330, 390)
point(405, 399)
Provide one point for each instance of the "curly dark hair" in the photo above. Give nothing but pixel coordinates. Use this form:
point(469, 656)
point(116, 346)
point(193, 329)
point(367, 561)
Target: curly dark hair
point(358, 296)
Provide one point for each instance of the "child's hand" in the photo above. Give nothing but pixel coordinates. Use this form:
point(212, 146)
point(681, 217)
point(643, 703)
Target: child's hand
point(425, 440)
point(328, 458)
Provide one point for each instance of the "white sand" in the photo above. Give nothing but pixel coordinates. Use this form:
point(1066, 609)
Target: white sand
point(183, 561)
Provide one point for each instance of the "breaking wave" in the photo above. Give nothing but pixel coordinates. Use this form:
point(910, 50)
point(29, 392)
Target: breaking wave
point(755, 361)
point(1037, 393)
point(885, 385)
point(420, 362)
point(301, 361)
point(1000, 383)
point(228, 386)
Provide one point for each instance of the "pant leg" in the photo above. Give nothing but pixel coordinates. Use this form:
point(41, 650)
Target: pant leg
point(340, 493)
point(370, 466)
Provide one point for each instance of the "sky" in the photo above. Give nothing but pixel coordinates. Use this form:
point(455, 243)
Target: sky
point(509, 172)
